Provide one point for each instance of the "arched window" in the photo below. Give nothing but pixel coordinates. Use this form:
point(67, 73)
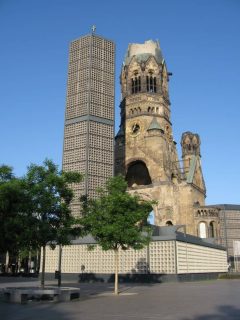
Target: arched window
point(136, 84)
point(169, 223)
point(138, 174)
point(202, 230)
point(212, 229)
point(151, 84)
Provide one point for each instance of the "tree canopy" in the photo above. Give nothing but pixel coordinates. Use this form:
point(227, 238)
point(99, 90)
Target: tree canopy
point(50, 196)
point(117, 219)
point(35, 209)
point(13, 201)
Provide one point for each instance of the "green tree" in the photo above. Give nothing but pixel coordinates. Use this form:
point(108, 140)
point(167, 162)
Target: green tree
point(116, 219)
point(6, 173)
point(50, 196)
point(13, 201)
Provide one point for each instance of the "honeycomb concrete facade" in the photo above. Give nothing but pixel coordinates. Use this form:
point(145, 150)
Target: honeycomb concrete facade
point(166, 254)
point(89, 118)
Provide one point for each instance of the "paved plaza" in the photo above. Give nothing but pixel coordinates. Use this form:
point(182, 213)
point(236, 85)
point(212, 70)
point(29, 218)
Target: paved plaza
point(206, 300)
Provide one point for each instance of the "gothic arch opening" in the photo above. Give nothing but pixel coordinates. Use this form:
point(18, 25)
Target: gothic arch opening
point(138, 174)
point(136, 84)
point(169, 223)
point(145, 196)
point(202, 230)
point(151, 83)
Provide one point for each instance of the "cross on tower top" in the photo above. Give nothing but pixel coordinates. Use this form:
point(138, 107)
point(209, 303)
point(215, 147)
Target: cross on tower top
point(93, 29)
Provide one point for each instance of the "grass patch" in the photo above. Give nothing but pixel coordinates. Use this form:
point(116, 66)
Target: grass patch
point(229, 276)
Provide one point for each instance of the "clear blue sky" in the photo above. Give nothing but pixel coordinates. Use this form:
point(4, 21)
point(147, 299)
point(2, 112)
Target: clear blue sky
point(200, 40)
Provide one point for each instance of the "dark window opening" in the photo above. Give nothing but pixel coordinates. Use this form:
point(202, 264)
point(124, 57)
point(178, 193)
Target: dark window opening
point(169, 223)
point(136, 84)
point(212, 229)
point(155, 84)
point(151, 84)
point(138, 174)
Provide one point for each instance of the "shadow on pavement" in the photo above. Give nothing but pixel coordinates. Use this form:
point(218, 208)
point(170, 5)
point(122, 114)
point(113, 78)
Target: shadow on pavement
point(33, 311)
point(225, 312)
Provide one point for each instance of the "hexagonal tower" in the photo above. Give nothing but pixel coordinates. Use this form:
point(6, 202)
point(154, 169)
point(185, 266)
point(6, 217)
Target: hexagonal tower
point(145, 152)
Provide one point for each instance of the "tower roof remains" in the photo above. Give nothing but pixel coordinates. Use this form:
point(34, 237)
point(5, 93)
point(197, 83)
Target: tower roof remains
point(143, 51)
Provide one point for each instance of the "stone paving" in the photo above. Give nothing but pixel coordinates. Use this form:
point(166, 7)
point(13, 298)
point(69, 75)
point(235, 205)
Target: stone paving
point(206, 300)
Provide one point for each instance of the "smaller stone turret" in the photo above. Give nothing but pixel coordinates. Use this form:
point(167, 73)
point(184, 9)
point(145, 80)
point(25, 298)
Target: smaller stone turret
point(190, 144)
point(191, 156)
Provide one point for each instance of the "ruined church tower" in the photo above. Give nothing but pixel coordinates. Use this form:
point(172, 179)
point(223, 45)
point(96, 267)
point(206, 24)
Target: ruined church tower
point(145, 151)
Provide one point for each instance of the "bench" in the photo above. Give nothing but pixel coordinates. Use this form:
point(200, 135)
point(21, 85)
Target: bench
point(23, 295)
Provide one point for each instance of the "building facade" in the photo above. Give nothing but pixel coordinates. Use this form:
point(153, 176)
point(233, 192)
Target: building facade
point(221, 222)
point(89, 118)
point(170, 255)
point(145, 150)
point(229, 235)
point(146, 154)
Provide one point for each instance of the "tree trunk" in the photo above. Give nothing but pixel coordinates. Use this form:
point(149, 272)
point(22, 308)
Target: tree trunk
point(7, 262)
point(38, 260)
point(60, 266)
point(43, 267)
point(29, 261)
point(116, 251)
point(18, 263)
